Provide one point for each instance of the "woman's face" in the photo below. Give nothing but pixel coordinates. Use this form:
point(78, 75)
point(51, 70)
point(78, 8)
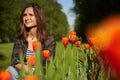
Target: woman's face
point(29, 19)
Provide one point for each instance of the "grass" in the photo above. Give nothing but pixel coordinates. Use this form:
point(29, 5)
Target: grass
point(6, 51)
point(5, 54)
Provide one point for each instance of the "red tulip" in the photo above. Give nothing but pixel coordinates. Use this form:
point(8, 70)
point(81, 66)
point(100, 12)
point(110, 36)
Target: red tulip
point(30, 78)
point(78, 43)
point(92, 41)
point(72, 33)
point(46, 54)
point(31, 59)
point(35, 44)
point(73, 38)
point(5, 75)
point(112, 53)
point(65, 41)
point(87, 46)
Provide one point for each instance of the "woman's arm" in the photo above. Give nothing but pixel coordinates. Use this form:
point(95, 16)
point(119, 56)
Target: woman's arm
point(18, 49)
point(19, 67)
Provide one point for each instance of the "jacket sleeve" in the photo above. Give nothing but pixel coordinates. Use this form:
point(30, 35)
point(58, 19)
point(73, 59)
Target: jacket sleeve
point(50, 44)
point(17, 50)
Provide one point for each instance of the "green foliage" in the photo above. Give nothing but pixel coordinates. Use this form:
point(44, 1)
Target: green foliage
point(56, 20)
point(73, 67)
point(7, 28)
point(22, 71)
point(10, 10)
point(38, 66)
point(5, 55)
point(70, 63)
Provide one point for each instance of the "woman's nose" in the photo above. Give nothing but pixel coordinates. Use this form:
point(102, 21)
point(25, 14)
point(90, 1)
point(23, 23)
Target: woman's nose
point(27, 17)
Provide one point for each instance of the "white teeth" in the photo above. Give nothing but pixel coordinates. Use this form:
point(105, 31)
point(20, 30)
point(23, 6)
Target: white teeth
point(28, 21)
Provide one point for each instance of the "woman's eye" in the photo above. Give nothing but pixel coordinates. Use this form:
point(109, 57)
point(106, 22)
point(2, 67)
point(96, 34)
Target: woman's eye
point(31, 14)
point(24, 14)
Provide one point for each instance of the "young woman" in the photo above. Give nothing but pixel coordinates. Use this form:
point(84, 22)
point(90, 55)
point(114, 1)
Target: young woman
point(32, 28)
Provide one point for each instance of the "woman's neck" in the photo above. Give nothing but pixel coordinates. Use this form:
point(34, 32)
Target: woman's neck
point(32, 36)
point(32, 33)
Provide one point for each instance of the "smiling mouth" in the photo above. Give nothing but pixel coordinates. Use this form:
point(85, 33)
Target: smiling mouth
point(28, 22)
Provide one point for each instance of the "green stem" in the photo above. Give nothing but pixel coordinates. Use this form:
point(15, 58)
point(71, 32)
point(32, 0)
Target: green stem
point(89, 65)
point(46, 70)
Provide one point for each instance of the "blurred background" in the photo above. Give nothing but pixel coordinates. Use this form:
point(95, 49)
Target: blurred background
point(61, 15)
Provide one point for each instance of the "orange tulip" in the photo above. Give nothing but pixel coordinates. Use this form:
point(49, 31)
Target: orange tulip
point(87, 46)
point(46, 54)
point(72, 33)
point(73, 38)
point(78, 43)
point(35, 44)
point(5, 75)
point(30, 78)
point(65, 41)
point(92, 41)
point(31, 59)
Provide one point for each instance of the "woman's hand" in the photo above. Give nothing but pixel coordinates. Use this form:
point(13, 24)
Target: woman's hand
point(19, 67)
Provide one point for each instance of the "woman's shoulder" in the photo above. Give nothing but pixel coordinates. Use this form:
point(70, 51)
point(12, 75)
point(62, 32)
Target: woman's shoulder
point(18, 39)
point(51, 36)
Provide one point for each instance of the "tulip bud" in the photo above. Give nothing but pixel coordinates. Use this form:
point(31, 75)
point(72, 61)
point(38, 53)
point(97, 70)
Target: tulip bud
point(65, 41)
point(73, 38)
point(46, 54)
point(35, 44)
point(30, 78)
point(72, 33)
point(31, 59)
point(92, 41)
point(87, 46)
point(5, 75)
point(78, 43)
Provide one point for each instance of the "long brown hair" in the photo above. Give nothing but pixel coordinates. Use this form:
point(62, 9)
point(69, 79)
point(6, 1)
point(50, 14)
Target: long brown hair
point(42, 32)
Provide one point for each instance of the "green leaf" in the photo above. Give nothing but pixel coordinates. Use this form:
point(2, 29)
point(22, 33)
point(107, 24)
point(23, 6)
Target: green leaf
point(22, 71)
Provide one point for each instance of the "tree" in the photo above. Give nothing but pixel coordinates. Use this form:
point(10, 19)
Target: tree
point(10, 10)
point(6, 20)
point(92, 11)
